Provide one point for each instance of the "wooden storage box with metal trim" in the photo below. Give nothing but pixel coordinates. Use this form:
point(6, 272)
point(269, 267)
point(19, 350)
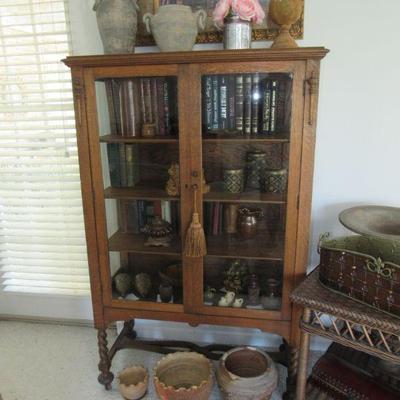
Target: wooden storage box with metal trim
point(366, 269)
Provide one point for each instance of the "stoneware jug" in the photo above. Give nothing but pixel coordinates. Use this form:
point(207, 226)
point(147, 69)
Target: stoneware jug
point(117, 23)
point(175, 26)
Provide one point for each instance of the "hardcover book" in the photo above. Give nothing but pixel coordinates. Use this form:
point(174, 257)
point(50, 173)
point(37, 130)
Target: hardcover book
point(255, 104)
point(239, 103)
point(207, 103)
point(247, 104)
point(223, 99)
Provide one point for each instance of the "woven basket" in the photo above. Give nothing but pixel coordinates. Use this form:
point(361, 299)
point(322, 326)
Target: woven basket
point(367, 269)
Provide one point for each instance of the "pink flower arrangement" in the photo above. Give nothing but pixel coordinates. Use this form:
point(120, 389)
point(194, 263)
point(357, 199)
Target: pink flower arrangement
point(248, 10)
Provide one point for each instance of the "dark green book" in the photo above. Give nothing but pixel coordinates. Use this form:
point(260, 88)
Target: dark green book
point(132, 165)
point(239, 103)
point(114, 164)
point(122, 164)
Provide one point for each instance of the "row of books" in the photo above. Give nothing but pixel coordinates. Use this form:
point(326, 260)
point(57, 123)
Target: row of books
point(132, 102)
point(141, 212)
point(215, 218)
point(123, 164)
point(247, 103)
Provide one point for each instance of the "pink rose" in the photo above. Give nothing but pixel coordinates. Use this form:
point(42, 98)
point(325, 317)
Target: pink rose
point(221, 10)
point(248, 10)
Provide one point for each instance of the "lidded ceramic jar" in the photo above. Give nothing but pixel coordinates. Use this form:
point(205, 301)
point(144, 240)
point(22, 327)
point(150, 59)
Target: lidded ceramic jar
point(246, 373)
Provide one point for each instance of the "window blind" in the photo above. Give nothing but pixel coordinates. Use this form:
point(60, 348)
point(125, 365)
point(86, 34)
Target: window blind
point(42, 240)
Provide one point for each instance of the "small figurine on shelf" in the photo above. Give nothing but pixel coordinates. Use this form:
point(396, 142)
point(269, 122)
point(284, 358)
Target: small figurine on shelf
point(172, 187)
point(235, 276)
point(253, 290)
point(227, 300)
point(123, 283)
point(238, 303)
point(159, 232)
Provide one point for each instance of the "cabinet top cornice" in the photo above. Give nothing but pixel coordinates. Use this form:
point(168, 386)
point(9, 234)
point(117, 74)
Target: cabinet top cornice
point(203, 56)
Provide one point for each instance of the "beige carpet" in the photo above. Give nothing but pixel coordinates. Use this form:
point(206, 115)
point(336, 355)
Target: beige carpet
point(53, 362)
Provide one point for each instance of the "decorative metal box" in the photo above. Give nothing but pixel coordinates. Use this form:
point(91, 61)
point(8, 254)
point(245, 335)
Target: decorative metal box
point(365, 268)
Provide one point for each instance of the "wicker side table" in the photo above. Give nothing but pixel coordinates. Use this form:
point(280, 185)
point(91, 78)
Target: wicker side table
point(344, 321)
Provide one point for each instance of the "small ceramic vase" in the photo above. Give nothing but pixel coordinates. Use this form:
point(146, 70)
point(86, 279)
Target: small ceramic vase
point(117, 23)
point(227, 300)
point(246, 373)
point(183, 376)
point(159, 231)
point(233, 180)
point(175, 26)
point(248, 221)
point(142, 283)
point(238, 303)
point(275, 180)
point(272, 300)
point(166, 291)
point(123, 283)
point(133, 382)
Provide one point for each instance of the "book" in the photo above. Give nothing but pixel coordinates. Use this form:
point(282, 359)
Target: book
point(166, 210)
point(223, 117)
point(114, 167)
point(167, 116)
point(215, 102)
point(160, 106)
point(130, 110)
point(207, 103)
point(122, 164)
point(154, 104)
point(112, 94)
point(247, 86)
point(145, 88)
point(132, 165)
point(215, 221)
point(255, 104)
point(266, 106)
point(274, 88)
point(141, 214)
point(131, 213)
point(239, 103)
point(231, 101)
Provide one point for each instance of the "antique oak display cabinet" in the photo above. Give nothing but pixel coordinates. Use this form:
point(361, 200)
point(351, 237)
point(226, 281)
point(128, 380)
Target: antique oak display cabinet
point(228, 133)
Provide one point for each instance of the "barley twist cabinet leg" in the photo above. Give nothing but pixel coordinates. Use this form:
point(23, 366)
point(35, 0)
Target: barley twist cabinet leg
point(293, 357)
point(106, 376)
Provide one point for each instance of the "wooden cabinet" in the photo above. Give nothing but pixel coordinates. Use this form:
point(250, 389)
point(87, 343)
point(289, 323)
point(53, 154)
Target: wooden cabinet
point(243, 121)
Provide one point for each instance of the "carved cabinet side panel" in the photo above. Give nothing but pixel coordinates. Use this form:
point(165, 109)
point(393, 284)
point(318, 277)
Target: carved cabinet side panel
point(78, 85)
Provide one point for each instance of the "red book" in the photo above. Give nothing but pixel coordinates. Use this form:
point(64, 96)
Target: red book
point(157, 208)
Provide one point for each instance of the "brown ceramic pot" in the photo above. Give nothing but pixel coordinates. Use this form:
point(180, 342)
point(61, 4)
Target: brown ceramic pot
point(183, 376)
point(246, 373)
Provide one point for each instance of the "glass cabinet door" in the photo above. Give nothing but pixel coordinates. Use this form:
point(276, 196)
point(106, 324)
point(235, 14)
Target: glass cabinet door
point(246, 125)
point(139, 146)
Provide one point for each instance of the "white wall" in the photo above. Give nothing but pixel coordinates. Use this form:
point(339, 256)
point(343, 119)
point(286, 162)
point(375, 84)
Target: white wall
point(358, 137)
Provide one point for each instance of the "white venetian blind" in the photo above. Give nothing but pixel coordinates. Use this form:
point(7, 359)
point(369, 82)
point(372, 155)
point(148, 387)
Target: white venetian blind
point(42, 241)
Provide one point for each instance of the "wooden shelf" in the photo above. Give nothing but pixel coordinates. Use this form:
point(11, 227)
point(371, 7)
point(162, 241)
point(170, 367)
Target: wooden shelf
point(245, 197)
point(138, 139)
point(262, 247)
point(238, 138)
point(137, 193)
point(135, 243)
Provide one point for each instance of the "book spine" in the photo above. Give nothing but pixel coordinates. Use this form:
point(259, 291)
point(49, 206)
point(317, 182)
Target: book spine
point(132, 216)
point(160, 106)
point(141, 214)
point(223, 99)
point(255, 105)
point(131, 165)
point(281, 105)
point(231, 102)
point(122, 163)
point(154, 104)
point(147, 100)
point(167, 116)
point(113, 164)
point(221, 218)
point(247, 104)
point(157, 208)
point(174, 206)
point(216, 218)
point(130, 108)
point(166, 210)
point(274, 88)
point(207, 103)
point(111, 105)
point(239, 103)
point(266, 107)
point(215, 102)
point(142, 101)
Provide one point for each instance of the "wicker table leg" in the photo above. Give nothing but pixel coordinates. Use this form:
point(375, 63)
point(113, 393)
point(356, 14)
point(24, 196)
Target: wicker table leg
point(303, 359)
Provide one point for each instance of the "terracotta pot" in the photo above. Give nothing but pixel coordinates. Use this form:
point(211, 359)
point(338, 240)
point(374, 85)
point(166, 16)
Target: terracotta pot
point(175, 26)
point(133, 382)
point(183, 376)
point(117, 23)
point(246, 373)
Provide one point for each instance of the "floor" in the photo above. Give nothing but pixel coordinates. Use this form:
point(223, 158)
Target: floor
point(43, 362)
